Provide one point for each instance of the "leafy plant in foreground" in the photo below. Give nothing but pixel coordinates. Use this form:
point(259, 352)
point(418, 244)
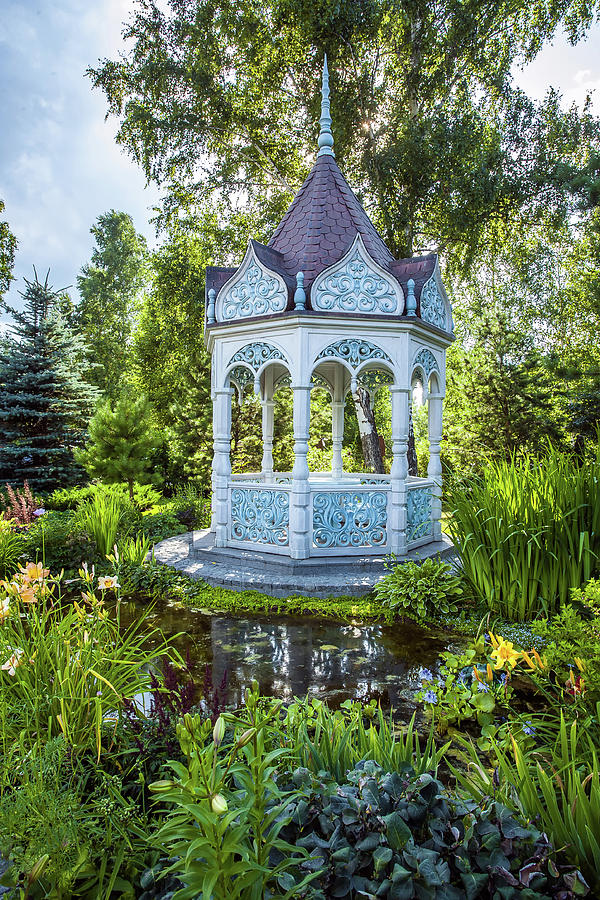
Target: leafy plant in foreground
point(418, 590)
point(12, 546)
point(559, 791)
point(402, 836)
point(229, 811)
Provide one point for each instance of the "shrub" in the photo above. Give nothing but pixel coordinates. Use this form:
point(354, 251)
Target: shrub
point(190, 507)
point(145, 496)
point(56, 540)
point(157, 526)
point(528, 531)
point(403, 836)
point(12, 545)
point(418, 590)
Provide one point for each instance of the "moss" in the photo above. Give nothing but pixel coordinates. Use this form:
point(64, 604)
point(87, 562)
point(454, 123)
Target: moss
point(162, 581)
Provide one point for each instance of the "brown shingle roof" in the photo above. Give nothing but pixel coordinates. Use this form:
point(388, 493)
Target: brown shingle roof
point(322, 223)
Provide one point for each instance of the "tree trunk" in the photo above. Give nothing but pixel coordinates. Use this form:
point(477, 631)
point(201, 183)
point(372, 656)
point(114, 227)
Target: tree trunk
point(367, 428)
point(413, 465)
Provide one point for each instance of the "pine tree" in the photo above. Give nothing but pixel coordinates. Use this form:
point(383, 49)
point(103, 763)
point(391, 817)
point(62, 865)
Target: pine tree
point(45, 403)
point(120, 442)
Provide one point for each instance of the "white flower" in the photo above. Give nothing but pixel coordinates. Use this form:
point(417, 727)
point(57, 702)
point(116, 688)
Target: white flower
point(13, 662)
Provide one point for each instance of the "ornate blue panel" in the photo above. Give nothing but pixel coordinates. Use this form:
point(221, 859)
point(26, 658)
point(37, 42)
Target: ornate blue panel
point(260, 516)
point(356, 284)
point(418, 513)
point(242, 376)
point(433, 308)
point(256, 354)
point(253, 291)
point(426, 361)
point(349, 519)
point(354, 352)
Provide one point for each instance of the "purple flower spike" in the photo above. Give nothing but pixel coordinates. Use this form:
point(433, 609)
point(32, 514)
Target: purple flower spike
point(528, 728)
point(430, 697)
point(426, 675)
point(482, 688)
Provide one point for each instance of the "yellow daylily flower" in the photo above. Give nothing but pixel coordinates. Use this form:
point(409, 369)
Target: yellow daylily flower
point(505, 654)
point(4, 608)
point(108, 582)
point(34, 572)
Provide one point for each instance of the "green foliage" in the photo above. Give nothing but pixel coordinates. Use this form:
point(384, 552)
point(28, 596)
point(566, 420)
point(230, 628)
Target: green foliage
point(100, 518)
point(574, 632)
point(190, 507)
point(225, 830)
point(44, 399)
point(559, 793)
point(109, 286)
point(418, 590)
point(402, 836)
point(120, 441)
point(336, 741)
point(68, 828)
point(144, 495)
point(12, 546)
point(528, 531)
point(56, 539)
point(133, 550)
point(66, 667)
point(8, 245)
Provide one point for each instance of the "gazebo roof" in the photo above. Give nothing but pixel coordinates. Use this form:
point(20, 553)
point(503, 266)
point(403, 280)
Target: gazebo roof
point(322, 223)
point(321, 226)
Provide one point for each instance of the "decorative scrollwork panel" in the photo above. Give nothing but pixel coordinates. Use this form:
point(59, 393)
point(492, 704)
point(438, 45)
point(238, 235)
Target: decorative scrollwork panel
point(257, 353)
point(253, 291)
point(433, 308)
point(353, 351)
point(418, 514)
point(426, 361)
point(357, 284)
point(349, 519)
point(260, 516)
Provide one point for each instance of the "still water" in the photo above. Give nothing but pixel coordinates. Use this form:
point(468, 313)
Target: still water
point(295, 656)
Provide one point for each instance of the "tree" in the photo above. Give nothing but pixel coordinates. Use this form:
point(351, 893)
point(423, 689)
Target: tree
point(120, 441)
point(110, 287)
point(224, 98)
point(8, 245)
point(45, 402)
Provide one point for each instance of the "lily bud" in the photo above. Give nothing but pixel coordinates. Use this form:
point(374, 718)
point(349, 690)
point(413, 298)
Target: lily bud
point(38, 868)
point(219, 731)
point(162, 787)
point(218, 804)
point(246, 737)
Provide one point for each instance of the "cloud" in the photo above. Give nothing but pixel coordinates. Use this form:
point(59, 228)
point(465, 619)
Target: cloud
point(61, 167)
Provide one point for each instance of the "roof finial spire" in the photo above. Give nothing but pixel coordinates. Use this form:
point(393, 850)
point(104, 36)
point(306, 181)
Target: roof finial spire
point(325, 137)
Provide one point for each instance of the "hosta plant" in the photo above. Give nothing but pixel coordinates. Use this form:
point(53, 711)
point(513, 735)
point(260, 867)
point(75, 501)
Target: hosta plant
point(418, 590)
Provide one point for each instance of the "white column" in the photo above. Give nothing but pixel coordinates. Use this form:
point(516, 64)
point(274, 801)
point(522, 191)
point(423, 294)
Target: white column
point(399, 470)
point(221, 467)
point(300, 512)
point(268, 407)
point(337, 423)
point(434, 468)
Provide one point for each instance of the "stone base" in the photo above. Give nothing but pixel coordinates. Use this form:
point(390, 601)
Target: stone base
point(195, 555)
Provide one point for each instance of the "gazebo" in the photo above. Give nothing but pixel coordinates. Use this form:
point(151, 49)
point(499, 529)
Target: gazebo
point(325, 304)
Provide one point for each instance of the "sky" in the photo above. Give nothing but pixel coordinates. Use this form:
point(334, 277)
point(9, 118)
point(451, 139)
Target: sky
point(60, 167)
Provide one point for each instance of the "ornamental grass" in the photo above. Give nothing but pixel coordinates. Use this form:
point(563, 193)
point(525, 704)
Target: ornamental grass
point(528, 531)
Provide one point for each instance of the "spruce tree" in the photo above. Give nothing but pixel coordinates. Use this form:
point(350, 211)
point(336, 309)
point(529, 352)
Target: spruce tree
point(45, 403)
point(120, 442)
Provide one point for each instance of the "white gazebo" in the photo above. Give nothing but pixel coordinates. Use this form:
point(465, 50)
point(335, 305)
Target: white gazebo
point(326, 304)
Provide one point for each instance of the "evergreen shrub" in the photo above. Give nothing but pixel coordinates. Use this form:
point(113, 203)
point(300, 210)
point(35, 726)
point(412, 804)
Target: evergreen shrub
point(145, 495)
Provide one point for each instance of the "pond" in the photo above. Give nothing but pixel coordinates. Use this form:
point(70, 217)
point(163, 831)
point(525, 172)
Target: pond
point(296, 656)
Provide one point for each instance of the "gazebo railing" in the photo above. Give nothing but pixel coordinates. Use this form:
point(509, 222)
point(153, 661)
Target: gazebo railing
point(349, 514)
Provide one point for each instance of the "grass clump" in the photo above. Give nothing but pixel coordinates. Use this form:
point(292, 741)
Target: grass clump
point(528, 531)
